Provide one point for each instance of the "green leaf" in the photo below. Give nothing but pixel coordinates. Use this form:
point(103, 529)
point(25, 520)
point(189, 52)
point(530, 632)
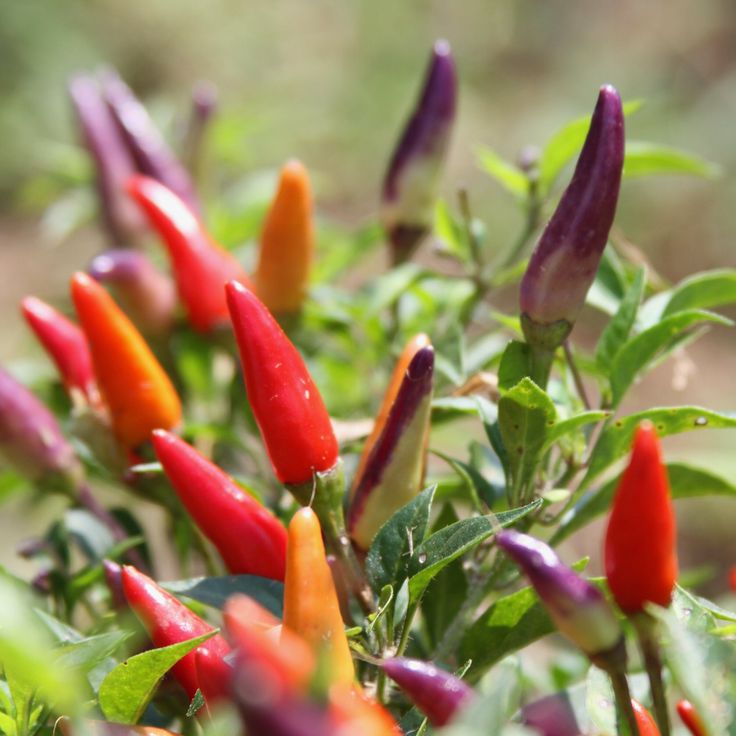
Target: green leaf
point(634, 356)
point(478, 487)
point(446, 545)
point(644, 158)
point(387, 562)
point(510, 177)
point(90, 651)
point(196, 704)
point(387, 289)
point(215, 591)
point(450, 232)
point(515, 364)
point(703, 291)
point(618, 329)
point(127, 690)
point(525, 415)
point(565, 426)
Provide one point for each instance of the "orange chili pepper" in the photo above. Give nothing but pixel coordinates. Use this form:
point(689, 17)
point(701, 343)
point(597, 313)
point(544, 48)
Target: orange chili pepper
point(647, 725)
point(133, 384)
point(287, 243)
point(311, 607)
point(353, 713)
point(691, 718)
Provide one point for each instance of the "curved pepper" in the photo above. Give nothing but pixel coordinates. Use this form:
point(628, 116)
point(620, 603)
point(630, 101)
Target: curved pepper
point(311, 608)
point(66, 345)
point(214, 676)
point(201, 267)
point(394, 469)
point(353, 713)
point(168, 621)
point(438, 694)
point(647, 724)
point(566, 258)
point(412, 180)
point(287, 406)
point(579, 610)
point(135, 388)
point(250, 539)
point(691, 718)
point(287, 243)
point(639, 553)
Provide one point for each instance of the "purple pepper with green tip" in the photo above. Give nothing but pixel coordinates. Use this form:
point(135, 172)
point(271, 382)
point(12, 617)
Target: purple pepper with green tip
point(394, 469)
point(579, 609)
point(440, 695)
point(412, 180)
point(565, 261)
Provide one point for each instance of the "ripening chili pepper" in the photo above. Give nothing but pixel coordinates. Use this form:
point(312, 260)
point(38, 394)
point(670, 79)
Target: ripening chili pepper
point(412, 180)
point(105, 728)
point(639, 553)
point(287, 243)
point(411, 348)
point(113, 163)
point(732, 578)
point(214, 676)
point(691, 718)
point(288, 408)
point(647, 725)
point(438, 694)
point(135, 388)
point(147, 295)
point(201, 267)
point(552, 715)
point(168, 621)
point(311, 608)
point(202, 112)
point(31, 439)
point(353, 713)
point(145, 143)
point(114, 579)
point(394, 470)
point(250, 539)
point(66, 345)
point(565, 260)
point(578, 609)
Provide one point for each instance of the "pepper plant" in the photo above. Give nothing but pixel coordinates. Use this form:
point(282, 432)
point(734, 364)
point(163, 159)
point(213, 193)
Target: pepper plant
point(316, 571)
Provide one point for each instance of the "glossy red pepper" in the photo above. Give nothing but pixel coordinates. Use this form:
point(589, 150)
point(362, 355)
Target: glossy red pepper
point(288, 408)
point(250, 539)
point(201, 267)
point(65, 344)
point(647, 724)
point(214, 676)
point(640, 554)
point(691, 718)
point(168, 621)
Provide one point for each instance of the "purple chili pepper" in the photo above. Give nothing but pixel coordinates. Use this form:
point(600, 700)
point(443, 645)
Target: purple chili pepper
point(204, 107)
point(113, 163)
point(394, 469)
point(411, 182)
point(114, 579)
point(151, 153)
point(551, 716)
point(566, 258)
point(148, 295)
point(579, 609)
point(31, 439)
point(437, 693)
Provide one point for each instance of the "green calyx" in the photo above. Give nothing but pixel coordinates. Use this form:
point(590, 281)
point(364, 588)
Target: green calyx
point(545, 336)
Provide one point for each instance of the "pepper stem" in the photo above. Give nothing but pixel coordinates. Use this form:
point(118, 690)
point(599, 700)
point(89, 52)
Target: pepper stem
point(646, 631)
point(626, 720)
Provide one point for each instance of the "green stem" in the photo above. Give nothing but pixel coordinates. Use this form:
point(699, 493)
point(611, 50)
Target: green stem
point(646, 630)
point(626, 720)
point(577, 378)
point(541, 365)
point(406, 630)
point(533, 213)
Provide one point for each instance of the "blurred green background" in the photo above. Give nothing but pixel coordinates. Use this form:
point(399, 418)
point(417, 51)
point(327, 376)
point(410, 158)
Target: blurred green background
point(331, 82)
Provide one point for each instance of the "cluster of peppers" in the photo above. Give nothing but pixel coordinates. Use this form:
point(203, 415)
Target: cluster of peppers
point(296, 676)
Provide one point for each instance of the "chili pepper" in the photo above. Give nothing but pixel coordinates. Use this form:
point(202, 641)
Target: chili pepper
point(578, 608)
point(412, 180)
point(214, 676)
point(250, 539)
point(732, 578)
point(201, 267)
point(31, 439)
point(203, 109)
point(565, 260)
point(148, 296)
point(168, 621)
point(288, 408)
point(287, 243)
point(135, 388)
point(151, 153)
point(691, 718)
point(105, 728)
point(353, 713)
point(640, 555)
point(552, 715)
point(394, 469)
point(411, 348)
point(66, 345)
point(311, 608)
point(438, 694)
point(114, 579)
point(647, 724)
point(113, 163)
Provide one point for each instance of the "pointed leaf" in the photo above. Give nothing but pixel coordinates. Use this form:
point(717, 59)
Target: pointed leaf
point(510, 177)
point(703, 291)
point(644, 158)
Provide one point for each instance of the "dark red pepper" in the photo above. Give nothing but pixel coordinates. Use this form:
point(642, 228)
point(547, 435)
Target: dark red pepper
point(691, 718)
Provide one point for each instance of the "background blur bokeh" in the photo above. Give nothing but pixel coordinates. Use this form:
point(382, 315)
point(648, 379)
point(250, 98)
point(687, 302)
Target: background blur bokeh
point(331, 81)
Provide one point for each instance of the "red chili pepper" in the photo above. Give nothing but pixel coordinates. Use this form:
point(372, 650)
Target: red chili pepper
point(201, 267)
point(691, 718)
point(353, 713)
point(288, 408)
point(105, 728)
point(647, 724)
point(214, 676)
point(168, 621)
point(640, 554)
point(250, 539)
point(732, 578)
point(66, 345)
